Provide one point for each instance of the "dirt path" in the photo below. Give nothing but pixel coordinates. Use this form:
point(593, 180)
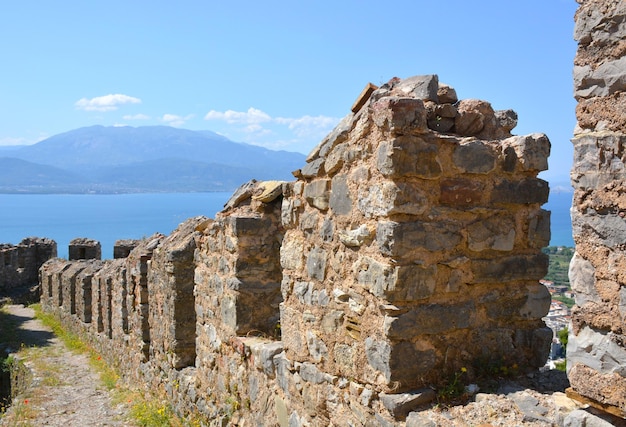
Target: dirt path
point(65, 389)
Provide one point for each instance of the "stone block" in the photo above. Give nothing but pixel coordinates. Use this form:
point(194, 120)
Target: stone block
point(512, 268)
point(603, 80)
point(461, 192)
point(389, 198)
point(340, 200)
point(313, 169)
point(426, 320)
point(532, 151)
point(494, 233)
point(582, 280)
point(423, 87)
point(396, 283)
point(526, 191)
point(599, 350)
point(316, 264)
point(408, 156)
point(399, 361)
point(399, 239)
point(317, 193)
point(474, 157)
point(539, 233)
point(399, 405)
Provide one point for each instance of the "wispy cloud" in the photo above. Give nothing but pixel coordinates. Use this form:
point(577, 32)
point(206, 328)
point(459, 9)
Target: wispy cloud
point(21, 140)
point(136, 117)
point(252, 116)
point(257, 127)
point(176, 120)
point(109, 102)
point(304, 125)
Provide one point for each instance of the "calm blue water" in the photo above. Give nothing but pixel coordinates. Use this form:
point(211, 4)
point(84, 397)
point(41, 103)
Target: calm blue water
point(105, 218)
point(108, 218)
point(561, 223)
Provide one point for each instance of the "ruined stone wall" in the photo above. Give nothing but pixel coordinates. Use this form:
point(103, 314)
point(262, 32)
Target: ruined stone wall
point(19, 264)
point(596, 351)
point(408, 249)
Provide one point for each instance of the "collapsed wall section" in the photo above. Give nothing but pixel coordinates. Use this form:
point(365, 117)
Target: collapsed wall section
point(413, 242)
point(596, 351)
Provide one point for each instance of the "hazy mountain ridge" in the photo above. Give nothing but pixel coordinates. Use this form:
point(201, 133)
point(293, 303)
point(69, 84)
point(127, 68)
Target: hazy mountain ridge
point(142, 159)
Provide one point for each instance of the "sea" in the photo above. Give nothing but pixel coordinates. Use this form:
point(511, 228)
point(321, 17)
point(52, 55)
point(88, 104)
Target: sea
point(111, 217)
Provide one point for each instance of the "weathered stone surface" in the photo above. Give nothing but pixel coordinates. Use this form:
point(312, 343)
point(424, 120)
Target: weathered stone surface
point(582, 418)
point(408, 156)
point(357, 237)
point(313, 169)
point(446, 94)
point(461, 192)
point(598, 350)
point(401, 404)
point(316, 263)
point(340, 201)
point(527, 191)
point(596, 347)
point(582, 280)
point(532, 150)
point(607, 78)
point(399, 116)
point(421, 87)
point(517, 267)
point(398, 239)
point(474, 157)
point(390, 198)
point(270, 191)
point(493, 233)
point(317, 193)
point(241, 194)
point(507, 119)
point(426, 319)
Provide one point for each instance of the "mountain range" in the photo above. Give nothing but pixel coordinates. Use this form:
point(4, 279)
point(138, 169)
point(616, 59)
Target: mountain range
point(125, 159)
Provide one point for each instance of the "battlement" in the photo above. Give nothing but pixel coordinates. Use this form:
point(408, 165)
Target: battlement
point(19, 264)
point(407, 249)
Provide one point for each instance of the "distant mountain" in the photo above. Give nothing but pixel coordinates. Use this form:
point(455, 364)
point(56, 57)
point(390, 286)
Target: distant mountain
point(18, 175)
point(151, 158)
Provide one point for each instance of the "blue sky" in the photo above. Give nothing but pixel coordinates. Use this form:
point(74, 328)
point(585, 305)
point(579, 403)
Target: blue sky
point(276, 73)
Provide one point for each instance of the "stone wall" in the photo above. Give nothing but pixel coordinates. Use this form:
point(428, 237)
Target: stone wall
point(596, 351)
point(19, 264)
point(408, 249)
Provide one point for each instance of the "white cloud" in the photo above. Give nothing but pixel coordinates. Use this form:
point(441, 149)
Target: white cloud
point(251, 116)
point(21, 140)
point(109, 102)
point(176, 120)
point(305, 125)
point(136, 117)
point(255, 126)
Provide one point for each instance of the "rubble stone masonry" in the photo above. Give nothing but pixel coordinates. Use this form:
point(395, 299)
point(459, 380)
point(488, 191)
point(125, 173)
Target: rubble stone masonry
point(596, 352)
point(408, 249)
point(19, 264)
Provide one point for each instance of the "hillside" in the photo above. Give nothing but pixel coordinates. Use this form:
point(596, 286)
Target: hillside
point(144, 159)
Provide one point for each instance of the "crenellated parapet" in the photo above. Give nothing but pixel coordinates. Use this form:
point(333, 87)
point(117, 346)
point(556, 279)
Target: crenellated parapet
point(19, 265)
point(407, 249)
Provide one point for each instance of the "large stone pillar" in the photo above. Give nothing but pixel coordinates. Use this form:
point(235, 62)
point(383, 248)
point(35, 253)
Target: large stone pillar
point(596, 352)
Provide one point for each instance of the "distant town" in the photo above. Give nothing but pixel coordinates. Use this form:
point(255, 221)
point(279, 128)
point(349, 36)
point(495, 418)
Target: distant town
point(557, 283)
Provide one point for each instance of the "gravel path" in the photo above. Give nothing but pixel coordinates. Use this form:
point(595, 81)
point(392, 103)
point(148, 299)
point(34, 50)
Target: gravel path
point(65, 389)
